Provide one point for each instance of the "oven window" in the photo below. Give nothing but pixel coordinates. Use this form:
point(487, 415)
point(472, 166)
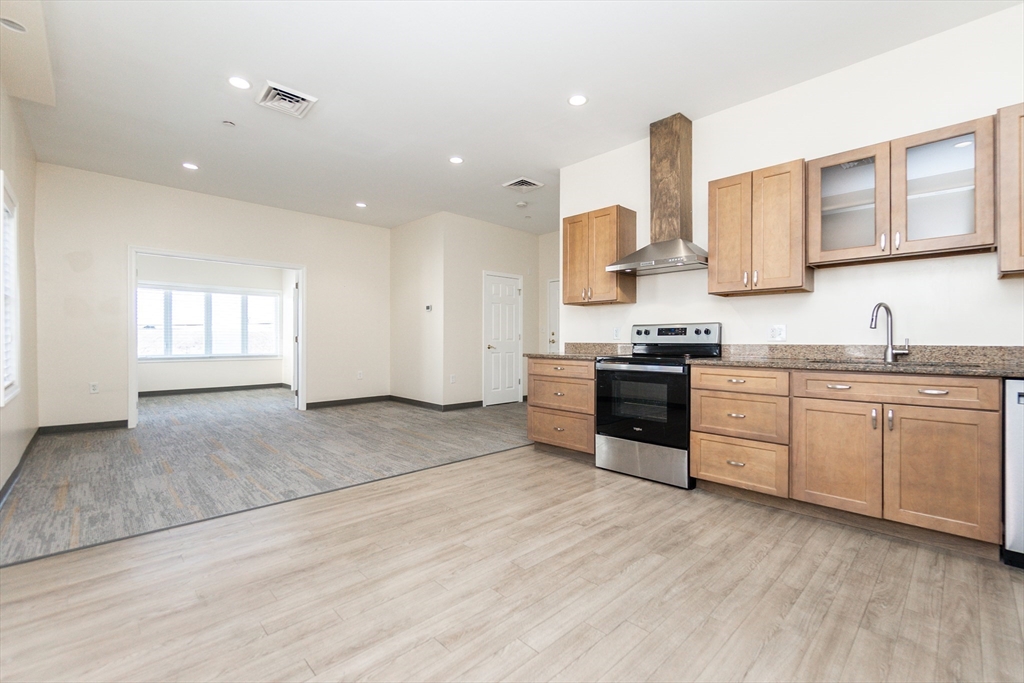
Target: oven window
point(640, 400)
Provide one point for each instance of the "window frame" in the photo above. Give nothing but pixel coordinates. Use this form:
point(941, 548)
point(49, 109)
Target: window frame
point(14, 308)
point(169, 287)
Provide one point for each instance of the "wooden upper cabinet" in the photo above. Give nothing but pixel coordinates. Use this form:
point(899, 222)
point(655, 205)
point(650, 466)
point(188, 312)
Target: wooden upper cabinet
point(590, 242)
point(942, 470)
point(756, 232)
point(943, 189)
point(1010, 189)
point(836, 455)
point(848, 205)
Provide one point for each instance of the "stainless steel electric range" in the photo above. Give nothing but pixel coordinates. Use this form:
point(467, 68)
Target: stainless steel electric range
point(643, 401)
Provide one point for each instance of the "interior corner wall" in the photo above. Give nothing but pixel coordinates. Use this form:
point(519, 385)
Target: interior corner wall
point(548, 265)
point(417, 335)
point(962, 74)
point(19, 419)
point(471, 247)
point(85, 224)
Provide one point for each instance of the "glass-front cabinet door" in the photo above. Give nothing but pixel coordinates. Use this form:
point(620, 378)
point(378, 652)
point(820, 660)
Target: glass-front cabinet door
point(848, 206)
point(942, 189)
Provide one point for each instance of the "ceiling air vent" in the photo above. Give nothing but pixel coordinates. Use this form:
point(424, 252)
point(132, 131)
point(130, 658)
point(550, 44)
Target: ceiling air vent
point(292, 102)
point(522, 184)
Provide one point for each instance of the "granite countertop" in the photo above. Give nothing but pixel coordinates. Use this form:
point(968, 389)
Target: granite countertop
point(565, 356)
point(983, 369)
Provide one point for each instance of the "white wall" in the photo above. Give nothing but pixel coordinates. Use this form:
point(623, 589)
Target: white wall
point(548, 266)
point(289, 278)
point(417, 335)
point(470, 248)
point(205, 373)
point(85, 224)
point(962, 74)
point(20, 417)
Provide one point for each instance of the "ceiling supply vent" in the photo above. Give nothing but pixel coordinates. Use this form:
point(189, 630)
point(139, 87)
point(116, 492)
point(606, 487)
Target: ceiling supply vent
point(291, 102)
point(522, 184)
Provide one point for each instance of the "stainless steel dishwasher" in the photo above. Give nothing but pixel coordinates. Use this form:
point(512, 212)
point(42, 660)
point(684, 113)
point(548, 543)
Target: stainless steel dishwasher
point(1013, 474)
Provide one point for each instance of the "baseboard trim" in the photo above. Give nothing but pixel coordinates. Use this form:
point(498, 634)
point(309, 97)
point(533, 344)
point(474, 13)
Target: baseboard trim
point(346, 402)
point(207, 390)
point(5, 490)
point(82, 427)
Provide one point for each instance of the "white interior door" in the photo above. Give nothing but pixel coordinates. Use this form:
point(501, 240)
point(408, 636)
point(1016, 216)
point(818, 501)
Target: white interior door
point(503, 312)
point(295, 343)
point(554, 301)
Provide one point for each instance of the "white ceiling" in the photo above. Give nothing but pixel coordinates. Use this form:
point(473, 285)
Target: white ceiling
point(142, 87)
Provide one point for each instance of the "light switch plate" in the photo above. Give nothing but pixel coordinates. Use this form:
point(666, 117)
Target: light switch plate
point(615, 333)
point(777, 333)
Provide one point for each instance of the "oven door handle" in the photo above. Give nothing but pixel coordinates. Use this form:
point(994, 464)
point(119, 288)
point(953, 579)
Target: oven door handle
point(629, 367)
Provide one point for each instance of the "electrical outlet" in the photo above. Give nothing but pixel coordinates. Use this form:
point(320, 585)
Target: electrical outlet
point(777, 333)
point(359, 374)
point(451, 380)
point(615, 333)
point(94, 387)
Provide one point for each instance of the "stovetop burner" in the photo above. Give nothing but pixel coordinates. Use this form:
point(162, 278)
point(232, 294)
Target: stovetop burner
point(672, 344)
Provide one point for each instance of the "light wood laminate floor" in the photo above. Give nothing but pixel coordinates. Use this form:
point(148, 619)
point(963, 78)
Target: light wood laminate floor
point(522, 566)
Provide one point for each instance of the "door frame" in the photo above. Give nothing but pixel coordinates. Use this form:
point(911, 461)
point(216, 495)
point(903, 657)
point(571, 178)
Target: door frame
point(483, 333)
point(558, 313)
point(133, 286)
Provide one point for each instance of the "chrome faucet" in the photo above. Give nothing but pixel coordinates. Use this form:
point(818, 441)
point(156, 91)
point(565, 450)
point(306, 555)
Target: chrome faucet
point(890, 352)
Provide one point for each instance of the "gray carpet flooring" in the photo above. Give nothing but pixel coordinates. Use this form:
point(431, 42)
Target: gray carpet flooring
point(197, 456)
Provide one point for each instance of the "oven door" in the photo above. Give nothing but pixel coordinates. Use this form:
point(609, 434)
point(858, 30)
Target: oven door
point(648, 403)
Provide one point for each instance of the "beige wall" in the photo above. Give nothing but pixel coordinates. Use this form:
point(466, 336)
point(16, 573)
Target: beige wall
point(87, 221)
point(20, 417)
point(205, 373)
point(955, 76)
point(548, 266)
point(470, 248)
point(417, 336)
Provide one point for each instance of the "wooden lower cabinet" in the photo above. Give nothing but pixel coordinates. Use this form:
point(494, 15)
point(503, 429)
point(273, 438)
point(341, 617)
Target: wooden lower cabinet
point(942, 470)
point(746, 464)
point(836, 457)
point(574, 431)
point(561, 403)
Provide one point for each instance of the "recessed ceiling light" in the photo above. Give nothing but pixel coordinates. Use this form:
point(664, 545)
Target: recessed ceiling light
point(361, 205)
point(12, 25)
point(190, 166)
point(578, 100)
point(965, 143)
point(229, 124)
point(456, 160)
point(239, 82)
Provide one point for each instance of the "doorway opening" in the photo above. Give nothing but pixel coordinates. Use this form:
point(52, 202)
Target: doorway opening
point(201, 324)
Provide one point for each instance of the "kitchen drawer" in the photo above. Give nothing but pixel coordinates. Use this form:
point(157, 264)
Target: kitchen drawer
point(745, 416)
point(976, 393)
point(745, 464)
point(574, 395)
point(576, 369)
point(744, 380)
point(559, 428)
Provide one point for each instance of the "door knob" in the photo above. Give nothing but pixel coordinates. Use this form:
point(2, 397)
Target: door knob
point(491, 347)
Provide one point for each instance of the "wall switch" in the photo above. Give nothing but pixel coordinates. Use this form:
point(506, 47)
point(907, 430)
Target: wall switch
point(615, 333)
point(94, 387)
point(777, 333)
point(359, 374)
point(451, 380)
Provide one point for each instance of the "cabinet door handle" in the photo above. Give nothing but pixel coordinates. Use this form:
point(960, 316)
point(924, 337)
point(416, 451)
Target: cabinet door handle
point(559, 429)
point(738, 381)
point(896, 242)
point(755, 278)
point(933, 392)
point(583, 294)
point(744, 278)
point(890, 420)
point(736, 415)
point(838, 386)
point(559, 393)
point(881, 242)
point(736, 464)
point(874, 418)
point(590, 293)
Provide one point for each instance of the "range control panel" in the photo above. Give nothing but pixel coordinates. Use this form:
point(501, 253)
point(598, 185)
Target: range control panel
point(678, 333)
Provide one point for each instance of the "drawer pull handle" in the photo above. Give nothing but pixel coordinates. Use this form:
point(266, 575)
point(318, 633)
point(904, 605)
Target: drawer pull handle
point(933, 392)
point(874, 418)
point(559, 393)
point(736, 464)
point(737, 381)
point(559, 367)
point(890, 420)
point(736, 415)
point(559, 429)
point(838, 386)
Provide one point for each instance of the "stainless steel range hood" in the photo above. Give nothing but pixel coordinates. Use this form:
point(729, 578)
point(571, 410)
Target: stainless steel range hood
point(662, 257)
point(671, 248)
